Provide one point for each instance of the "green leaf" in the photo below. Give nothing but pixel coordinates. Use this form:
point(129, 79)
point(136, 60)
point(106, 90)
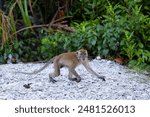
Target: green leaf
point(105, 52)
point(140, 45)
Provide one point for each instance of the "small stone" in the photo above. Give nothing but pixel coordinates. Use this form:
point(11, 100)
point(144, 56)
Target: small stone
point(98, 57)
point(129, 97)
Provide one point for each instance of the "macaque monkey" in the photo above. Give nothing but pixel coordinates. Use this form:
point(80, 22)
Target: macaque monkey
point(70, 60)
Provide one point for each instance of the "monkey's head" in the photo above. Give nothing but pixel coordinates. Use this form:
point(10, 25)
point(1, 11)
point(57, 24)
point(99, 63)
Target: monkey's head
point(82, 55)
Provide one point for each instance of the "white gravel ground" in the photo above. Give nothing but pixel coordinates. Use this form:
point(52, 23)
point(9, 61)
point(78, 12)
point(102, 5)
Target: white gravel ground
point(121, 83)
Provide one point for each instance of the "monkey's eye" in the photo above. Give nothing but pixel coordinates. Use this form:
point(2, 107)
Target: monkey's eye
point(83, 53)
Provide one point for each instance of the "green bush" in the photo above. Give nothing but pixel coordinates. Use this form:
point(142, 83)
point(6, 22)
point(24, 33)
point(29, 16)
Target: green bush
point(88, 9)
point(123, 30)
point(4, 52)
point(24, 50)
point(109, 29)
point(85, 36)
point(127, 31)
point(52, 45)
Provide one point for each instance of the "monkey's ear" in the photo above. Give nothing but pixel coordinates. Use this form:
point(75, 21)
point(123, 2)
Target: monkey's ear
point(86, 51)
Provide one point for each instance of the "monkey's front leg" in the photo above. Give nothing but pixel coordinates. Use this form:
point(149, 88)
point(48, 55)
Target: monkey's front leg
point(89, 69)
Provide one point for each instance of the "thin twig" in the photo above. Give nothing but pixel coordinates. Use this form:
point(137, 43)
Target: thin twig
point(62, 19)
point(30, 27)
point(52, 21)
point(59, 26)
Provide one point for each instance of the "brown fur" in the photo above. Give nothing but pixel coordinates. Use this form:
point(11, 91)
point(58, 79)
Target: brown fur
point(70, 60)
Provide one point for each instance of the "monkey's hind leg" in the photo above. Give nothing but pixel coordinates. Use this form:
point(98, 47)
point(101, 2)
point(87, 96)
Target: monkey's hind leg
point(70, 77)
point(51, 79)
point(78, 78)
point(56, 72)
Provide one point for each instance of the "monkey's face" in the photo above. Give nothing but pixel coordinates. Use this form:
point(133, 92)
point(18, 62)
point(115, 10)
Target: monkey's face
point(82, 55)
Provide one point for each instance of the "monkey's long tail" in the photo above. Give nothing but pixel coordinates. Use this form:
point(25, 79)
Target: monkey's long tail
point(35, 72)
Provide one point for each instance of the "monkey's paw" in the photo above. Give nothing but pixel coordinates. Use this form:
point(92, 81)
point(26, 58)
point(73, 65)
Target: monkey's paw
point(78, 80)
point(103, 78)
point(72, 79)
point(52, 80)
